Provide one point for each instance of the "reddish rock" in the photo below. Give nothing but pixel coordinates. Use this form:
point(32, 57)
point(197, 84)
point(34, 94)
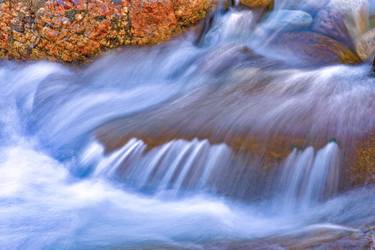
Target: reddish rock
point(5, 31)
point(189, 12)
point(152, 21)
point(76, 30)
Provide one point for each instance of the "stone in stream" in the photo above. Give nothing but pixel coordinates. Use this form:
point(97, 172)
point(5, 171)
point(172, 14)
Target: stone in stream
point(365, 45)
point(356, 13)
point(311, 239)
point(343, 20)
point(243, 117)
point(363, 161)
point(314, 49)
point(287, 20)
point(311, 6)
point(253, 4)
point(329, 22)
point(372, 14)
point(76, 30)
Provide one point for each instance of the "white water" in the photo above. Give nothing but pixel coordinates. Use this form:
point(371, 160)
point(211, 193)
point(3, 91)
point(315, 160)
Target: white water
point(60, 190)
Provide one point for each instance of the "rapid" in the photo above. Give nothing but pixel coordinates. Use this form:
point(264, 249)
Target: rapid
point(63, 185)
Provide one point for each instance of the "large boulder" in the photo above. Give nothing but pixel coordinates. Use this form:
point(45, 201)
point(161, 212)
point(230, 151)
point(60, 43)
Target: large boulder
point(75, 30)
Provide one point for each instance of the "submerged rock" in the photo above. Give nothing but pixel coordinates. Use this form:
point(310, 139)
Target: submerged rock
point(331, 23)
point(73, 31)
point(343, 20)
point(315, 49)
point(311, 6)
point(356, 13)
point(288, 20)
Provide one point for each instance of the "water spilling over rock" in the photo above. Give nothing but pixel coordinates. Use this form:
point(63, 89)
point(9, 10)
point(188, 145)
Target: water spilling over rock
point(213, 140)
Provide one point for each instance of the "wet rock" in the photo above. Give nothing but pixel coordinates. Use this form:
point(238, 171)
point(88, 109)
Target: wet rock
point(356, 14)
point(76, 30)
point(329, 22)
point(257, 3)
point(288, 20)
point(371, 14)
point(314, 49)
point(363, 161)
point(311, 6)
point(365, 45)
point(343, 20)
point(316, 239)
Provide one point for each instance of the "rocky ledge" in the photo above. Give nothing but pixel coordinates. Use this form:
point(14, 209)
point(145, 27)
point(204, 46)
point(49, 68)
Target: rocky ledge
point(75, 30)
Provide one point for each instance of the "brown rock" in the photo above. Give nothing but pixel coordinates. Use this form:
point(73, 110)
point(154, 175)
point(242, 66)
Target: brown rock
point(257, 3)
point(232, 115)
point(5, 31)
point(188, 12)
point(152, 21)
point(363, 161)
point(76, 30)
point(315, 49)
point(365, 45)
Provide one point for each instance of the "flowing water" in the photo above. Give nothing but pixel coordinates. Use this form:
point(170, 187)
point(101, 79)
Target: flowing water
point(60, 188)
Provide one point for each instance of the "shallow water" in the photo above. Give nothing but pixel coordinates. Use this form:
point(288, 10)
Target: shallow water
point(60, 189)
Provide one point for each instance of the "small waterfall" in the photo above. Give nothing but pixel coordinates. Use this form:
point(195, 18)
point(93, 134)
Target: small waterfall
point(175, 166)
point(305, 178)
point(234, 27)
point(308, 177)
point(60, 188)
